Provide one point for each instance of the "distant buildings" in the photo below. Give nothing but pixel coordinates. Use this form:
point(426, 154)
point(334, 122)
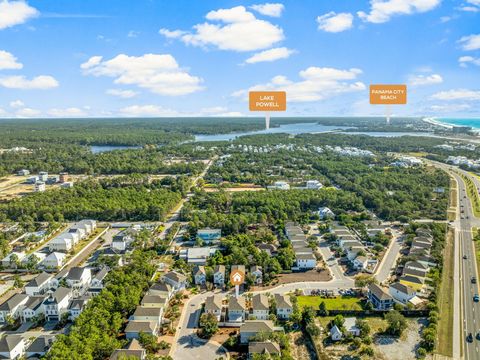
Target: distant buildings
point(279, 185)
point(304, 257)
point(325, 213)
point(197, 255)
point(39, 186)
point(313, 185)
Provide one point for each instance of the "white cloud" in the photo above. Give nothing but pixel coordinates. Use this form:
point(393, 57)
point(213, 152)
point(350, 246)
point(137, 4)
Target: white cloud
point(270, 55)
point(421, 80)
point(315, 84)
point(125, 94)
point(17, 104)
point(41, 82)
point(470, 42)
point(333, 22)
point(381, 11)
point(133, 34)
point(214, 110)
point(470, 8)
point(238, 30)
point(27, 112)
point(457, 94)
point(15, 12)
point(147, 111)
point(269, 9)
point(68, 112)
point(158, 73)
point(465, 60)
point(8, 61)
point(449, 108)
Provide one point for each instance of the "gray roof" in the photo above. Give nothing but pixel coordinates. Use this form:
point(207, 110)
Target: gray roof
point(159, 287)
point(237, 304)
point(39, 280)
point(213, 303)
point(8, 342)
point(13, 302)
point(78, 303)
point(147, 311)
point(34, 302)
point(154, 299)
point(412, 279)
point(260, 302)
point(137, 326)
point(41, 344)
point(200, 270)
point(283, 301)
point(403, 288)
point(101, 274)
point(220, 268)
point(75, 273)
point(263, 347)
point(175, 276)
point(413, 272)
point(257, 326)
point(379, 292)
point(59, 294)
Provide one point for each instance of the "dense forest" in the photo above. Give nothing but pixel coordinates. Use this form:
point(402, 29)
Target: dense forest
point(130, 198)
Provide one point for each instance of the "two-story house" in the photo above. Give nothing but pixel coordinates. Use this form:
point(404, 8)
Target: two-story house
point(284, 306)
point(33, 308)
point(260, 307)
point(12, 308)
point(237, 309)
point(257, 274)
point(41, 283)
point(56, 304)
point(213, 305)
point(379, 298)
point(219, 275)
point(200, 275)
point(78, 279)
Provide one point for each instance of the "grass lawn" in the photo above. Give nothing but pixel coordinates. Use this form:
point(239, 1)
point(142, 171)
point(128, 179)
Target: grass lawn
point(445, 300)
point(338, 303)
point(473, 195)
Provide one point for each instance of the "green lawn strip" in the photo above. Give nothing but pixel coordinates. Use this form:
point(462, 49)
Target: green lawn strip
point(338, 303)
point(473, 195)
point(445, 300)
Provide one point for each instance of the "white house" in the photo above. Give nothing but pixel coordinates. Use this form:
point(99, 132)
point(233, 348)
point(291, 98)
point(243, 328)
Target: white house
point(335, 333)
point(148, 313)
point(13, 259)
point(325, 213)
point(200, 275)
point(313, 184)
point(176, 280)
point(305, 261)
point(135, 327)
point(213, 305)
point(39, 346)
point(401, 293)
point(54, 260)
point(219, 275)
point(33, 308)
point(279, 185)
point(56, 304)
point(63, 242)
point(12, 307)
point(252, 327)
point(161, 289)
point(197, 255)
point(99, 278)
point(237, 309)
point(350, 326)
point(40, 283)
point(284, 306)
point(12, 346)
point(78, 278)
point(260, 307)
point(76, 306)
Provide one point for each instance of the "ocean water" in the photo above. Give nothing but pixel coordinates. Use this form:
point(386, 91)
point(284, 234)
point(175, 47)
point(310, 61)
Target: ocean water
point(474, 123)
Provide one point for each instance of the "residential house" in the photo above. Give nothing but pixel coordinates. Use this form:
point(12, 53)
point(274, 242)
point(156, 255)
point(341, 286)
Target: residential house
point(148, 313)
point(305, 261)
point(219, 275)
point(78, 278)
point(401, 293)
point(360, 262)
point(135, 327)
point(40, 283)
point(133, 351)
point(33, 308)
point(325, 213)
point(336, 333)
point(237, 309)
point(257, 274)
point(56, 304)
point(33, 259)
point(161, 289)
point(263, 348)
point(177, 280)
point(313, 184)
point(413, 272)
point(284, 306)
point(12, 347)
point(97, 283)
point(252, 327)
point(350, 325)
point(154, 301)
point(197, 255)
point(12, 260)
point(40, 346)
point(413, 282)
point(260, 307)
point(213, 305)
point(209, 235)
point(76, 306)
point(12, 308)
point(416, 265)
point(54, 260)
point(279, 185)
point(238, 267)
point(200, 275)
point(270, 249)
point(380, 299)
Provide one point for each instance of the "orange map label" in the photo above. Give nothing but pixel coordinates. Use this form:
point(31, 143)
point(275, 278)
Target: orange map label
point(267, 100)
point(388, 94)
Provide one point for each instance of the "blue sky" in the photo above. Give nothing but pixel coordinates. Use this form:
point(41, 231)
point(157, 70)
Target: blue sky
point(81, 58)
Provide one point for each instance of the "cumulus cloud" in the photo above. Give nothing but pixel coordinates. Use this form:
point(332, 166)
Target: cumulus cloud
point(270, 55)
point(16, 104)
point(147, 111)
point(159, 73)
point(230, 29)
point(382, 11)
point(465, 60)
point(125, 94)
point(27, 113)
point(333, 22)
point(422, 80)
point(449, 108)
point(15, 12)
point(457, 94)
point(269, 9)
point(315, 84)
point(41, 82)
point(471, 6)
point(8, 61)
point(67, 112)
point(470, 42)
